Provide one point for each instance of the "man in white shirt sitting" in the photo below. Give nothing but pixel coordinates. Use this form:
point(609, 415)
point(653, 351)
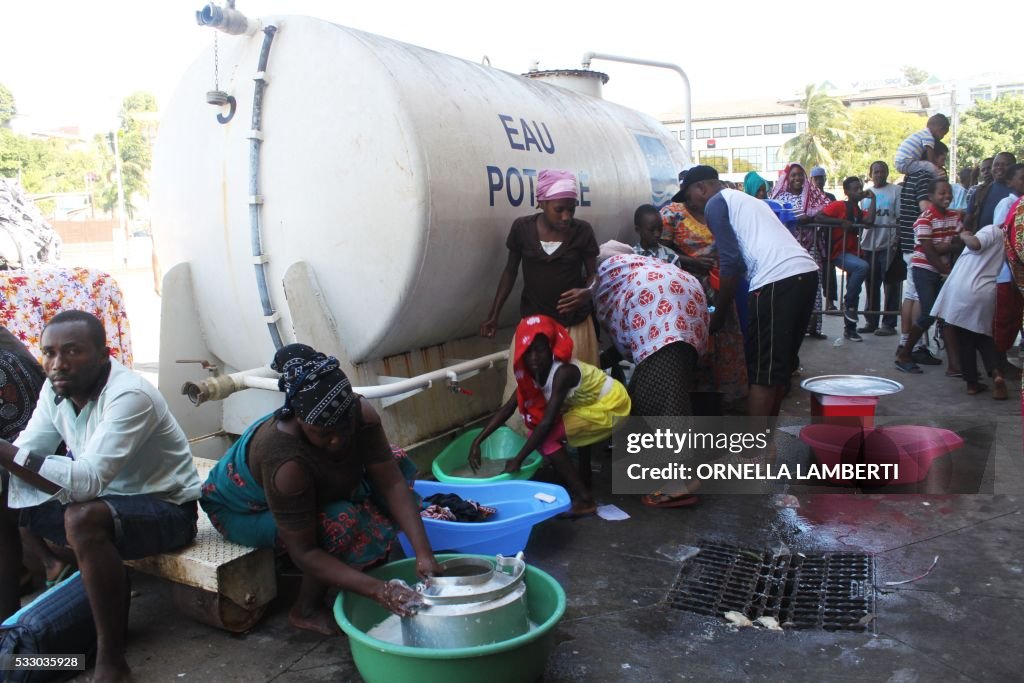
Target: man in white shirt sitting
point(126, 489)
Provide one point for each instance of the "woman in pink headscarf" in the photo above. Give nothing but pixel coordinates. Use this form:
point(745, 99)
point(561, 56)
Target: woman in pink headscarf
point(807, 201)
point(558, 253)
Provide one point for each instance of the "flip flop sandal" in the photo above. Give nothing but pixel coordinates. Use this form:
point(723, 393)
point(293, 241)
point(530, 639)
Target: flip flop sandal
point(908, 366)
point(977, 389)
point(669, 501)
point(67, 571)
point(955, 375)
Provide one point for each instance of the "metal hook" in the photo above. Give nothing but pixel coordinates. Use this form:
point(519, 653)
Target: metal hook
point(221, 118)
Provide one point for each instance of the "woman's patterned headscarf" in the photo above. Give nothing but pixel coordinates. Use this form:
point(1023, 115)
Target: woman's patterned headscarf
point(813, 200)
point(315, 389)
point(554, 184)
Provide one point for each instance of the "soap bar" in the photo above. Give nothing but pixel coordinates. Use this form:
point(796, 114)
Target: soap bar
point(545, 497)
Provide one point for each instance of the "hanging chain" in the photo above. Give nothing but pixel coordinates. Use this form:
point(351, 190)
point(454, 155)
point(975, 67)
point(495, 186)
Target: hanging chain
point(216, 64)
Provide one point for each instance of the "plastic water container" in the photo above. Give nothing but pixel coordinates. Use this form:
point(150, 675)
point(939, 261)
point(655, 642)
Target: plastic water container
point(499, 446)
point(847, 399)
point(853, 410)
point(912, 447)
point(506, 532)
point(512, 661)
point(784, 212)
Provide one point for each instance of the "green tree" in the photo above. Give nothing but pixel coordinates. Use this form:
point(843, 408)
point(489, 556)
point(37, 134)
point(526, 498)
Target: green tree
point(134, 140)
point(827, 124)
point(874, 134)
point(7, 108)
point(914, 75)
point(991, 126)
point(717, 160)
point(45, 166)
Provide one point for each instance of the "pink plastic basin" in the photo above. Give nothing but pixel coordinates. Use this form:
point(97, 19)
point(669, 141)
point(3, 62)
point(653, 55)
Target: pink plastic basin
point(912, 447)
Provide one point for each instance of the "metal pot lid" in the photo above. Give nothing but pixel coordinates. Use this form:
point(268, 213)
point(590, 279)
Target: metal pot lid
point(851, 385)
point(498, 579)
point(461, 571)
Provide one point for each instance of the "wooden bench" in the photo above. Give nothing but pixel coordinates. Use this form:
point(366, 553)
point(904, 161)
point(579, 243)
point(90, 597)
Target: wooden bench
point(216, 581)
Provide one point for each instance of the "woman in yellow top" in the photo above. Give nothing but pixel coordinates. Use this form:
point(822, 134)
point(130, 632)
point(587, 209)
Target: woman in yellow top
point(562, 401)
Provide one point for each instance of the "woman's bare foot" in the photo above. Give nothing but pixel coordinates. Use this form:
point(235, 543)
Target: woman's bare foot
point(318, 620)
point(116, 673)
point(580, 508)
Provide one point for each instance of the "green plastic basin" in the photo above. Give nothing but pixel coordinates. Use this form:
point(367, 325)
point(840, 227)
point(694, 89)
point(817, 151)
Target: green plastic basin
point(517, 660)
point(501, 445)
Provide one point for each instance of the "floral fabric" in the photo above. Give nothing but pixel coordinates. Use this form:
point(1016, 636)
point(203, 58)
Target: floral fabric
point(29, 298)
point(1013, 235)
point(810, 202)
point(724, 368)
point(647, 304)
point(358, 531)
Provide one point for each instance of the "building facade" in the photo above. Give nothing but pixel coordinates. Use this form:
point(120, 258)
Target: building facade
point(738, 137)
point(742, 136)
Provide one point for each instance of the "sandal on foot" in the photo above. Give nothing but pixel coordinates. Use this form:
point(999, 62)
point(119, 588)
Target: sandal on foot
point(974, 390)
point(67, 571)
point(908, 366)
point(954, 375)
point(666, 500)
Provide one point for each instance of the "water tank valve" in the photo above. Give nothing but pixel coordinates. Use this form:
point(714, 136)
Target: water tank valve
point(455, 387)
point(226, 19)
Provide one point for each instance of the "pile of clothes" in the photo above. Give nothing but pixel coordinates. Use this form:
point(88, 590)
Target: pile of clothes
point(452, 508)
point(26, 239)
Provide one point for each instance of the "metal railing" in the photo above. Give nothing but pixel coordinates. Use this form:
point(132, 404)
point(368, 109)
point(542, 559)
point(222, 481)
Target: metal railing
point(871, 279)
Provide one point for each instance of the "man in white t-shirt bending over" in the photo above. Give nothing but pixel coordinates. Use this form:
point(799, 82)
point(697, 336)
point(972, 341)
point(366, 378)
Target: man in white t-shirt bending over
point(783, 282)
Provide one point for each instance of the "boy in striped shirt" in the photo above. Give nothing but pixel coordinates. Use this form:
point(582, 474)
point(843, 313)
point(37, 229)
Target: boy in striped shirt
point(917, 152)
point(934, 233)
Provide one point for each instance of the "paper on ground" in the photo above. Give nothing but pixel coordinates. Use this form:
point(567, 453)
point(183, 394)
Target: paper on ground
point(612, 513)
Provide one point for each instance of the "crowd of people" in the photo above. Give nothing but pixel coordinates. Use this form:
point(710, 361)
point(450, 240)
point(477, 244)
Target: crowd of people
point(910, 254)
point(710, 307)
point(748, 288)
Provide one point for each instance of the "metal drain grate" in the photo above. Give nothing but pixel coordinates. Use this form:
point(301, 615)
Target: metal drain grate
point(830, 591)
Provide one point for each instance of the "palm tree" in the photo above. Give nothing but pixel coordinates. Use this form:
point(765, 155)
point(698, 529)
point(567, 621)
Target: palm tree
point(827, 123)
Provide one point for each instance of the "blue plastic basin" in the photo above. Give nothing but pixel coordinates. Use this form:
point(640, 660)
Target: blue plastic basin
point(506, 532)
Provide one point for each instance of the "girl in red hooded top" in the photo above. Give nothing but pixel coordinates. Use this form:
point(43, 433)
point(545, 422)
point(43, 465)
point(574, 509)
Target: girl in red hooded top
point(562, 401)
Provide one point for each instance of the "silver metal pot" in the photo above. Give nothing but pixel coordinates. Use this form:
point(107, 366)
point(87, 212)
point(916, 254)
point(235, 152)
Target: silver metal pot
point(474, 602)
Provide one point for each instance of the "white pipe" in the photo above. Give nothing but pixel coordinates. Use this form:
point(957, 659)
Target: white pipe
point(222, 386)
point(687, 104)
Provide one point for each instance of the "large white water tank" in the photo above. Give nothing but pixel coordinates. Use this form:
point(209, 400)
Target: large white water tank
point(392, 170)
